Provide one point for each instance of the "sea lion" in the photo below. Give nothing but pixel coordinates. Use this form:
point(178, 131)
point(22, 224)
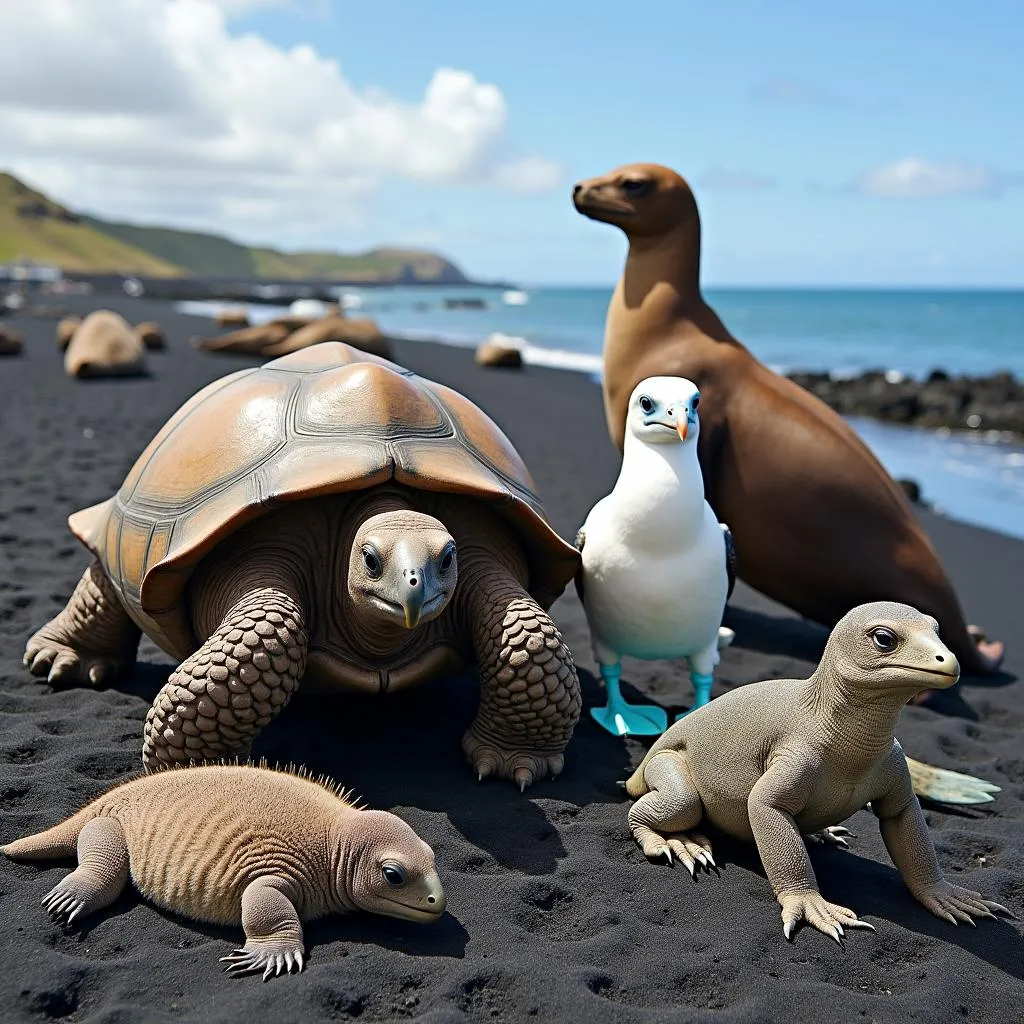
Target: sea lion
point(498, 351)
point(254, 340)
point(361, 332)
point(818, 523)
point(105, 346)
point(66, 331)
point(11, 342)
point(150, 335)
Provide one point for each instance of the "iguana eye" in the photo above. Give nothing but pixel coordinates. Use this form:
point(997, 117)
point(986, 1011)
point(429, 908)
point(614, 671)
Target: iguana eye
point(394, 874)
point(884, 639)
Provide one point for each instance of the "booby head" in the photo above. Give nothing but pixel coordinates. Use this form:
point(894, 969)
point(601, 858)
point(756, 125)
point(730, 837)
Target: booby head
point(663, 410)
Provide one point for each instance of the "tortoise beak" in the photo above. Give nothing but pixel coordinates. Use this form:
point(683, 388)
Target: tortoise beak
point(413, 594)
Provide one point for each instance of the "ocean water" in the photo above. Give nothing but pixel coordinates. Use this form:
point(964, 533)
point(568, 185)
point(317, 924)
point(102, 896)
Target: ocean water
point(975, 478)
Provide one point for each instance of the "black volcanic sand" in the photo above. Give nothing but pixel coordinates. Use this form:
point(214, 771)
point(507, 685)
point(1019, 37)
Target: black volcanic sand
point(554, 914)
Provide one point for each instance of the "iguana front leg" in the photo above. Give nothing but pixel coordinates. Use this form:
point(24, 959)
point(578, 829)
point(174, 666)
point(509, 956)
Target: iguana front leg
point(777, 797)
point(906, 837)
point(273, 932)
point(529, 691)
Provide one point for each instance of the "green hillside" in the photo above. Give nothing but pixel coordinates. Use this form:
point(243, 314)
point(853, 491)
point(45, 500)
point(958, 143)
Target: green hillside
point(35, 227)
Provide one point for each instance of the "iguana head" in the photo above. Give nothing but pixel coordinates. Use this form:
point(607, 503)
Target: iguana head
point(888, 647)
point(386, 868)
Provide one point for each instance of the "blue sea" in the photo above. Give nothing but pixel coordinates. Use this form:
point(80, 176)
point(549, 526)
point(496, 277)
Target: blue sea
point(974, 477)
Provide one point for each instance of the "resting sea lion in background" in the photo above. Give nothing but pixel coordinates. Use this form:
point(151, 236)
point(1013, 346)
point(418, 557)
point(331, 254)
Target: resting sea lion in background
point(818, 523)
point(150, 335)
point(11, 342)
point(105, 346)
point(66, 331)
point(361, 332)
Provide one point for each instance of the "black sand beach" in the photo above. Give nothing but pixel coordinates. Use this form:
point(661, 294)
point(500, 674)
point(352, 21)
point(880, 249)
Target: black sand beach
point(554, 914)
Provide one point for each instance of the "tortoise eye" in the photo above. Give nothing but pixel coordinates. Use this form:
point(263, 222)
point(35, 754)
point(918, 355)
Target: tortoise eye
point(447, 559)
point(371, 561)
point(884, 639)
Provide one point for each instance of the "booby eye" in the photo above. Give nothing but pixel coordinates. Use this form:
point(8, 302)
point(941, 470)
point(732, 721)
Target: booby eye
point(884, 639)
point(447, 560)
point(394, 874)
point(371, 562)
point(695, 402)
point(635, 186)
point(646, 405)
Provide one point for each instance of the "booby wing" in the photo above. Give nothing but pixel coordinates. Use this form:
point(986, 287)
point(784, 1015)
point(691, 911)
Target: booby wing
point(581, 538)
point(730, 558)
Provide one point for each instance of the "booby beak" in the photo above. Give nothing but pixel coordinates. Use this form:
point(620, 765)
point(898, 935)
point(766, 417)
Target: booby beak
point(682, 424)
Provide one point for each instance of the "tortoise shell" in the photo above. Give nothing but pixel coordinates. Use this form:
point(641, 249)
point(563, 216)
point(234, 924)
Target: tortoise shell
point(324, 420)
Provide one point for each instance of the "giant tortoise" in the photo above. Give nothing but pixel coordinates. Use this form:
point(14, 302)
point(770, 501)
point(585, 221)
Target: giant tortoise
point(335, 519)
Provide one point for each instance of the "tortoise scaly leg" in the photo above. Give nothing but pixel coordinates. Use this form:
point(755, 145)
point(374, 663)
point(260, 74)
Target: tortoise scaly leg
point(219, 699)
point(91, 640)
point(529, 692)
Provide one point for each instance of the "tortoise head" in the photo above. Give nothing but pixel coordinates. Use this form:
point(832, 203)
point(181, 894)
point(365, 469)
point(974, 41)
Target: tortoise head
point(402, 568)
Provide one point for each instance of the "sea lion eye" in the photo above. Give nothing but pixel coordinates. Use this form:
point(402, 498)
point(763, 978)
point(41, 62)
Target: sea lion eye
point(646, 405)
point(884, 639)
point(394, 874)
point(635, 186)
point(371, 560)
point(447, 559)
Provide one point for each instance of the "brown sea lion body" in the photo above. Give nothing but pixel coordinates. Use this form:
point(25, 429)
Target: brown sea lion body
point(11, 342)
point(150, 335)
point(818, 523)
point(66, 331)
point(104, 346)
point(361, 332)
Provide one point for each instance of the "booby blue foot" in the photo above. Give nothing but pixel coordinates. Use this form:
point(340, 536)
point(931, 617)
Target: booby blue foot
point(701, 692)
point(622, 719)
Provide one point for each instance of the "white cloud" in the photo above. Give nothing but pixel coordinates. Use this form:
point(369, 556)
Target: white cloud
point(159, 109)
point(915, 178)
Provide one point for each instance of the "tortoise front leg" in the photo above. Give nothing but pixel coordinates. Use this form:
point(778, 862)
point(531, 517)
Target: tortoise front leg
point(530, 694)
point(219, 699)
point(91, 640)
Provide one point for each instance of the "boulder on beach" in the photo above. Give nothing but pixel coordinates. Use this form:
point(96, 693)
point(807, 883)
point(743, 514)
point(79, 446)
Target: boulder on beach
point(150, 335)
point(994, 402)
point(501, 351)
point(66, 331)
point(11, 343)
point(105, 346)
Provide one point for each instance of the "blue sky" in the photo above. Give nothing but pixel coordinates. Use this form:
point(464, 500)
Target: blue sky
point(878, 144)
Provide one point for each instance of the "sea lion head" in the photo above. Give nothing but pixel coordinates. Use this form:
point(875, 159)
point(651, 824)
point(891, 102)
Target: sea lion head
point(663, 410)
point(886, 646)
point(641, 199)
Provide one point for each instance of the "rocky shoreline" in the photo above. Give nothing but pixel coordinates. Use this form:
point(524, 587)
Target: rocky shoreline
point(991, 403)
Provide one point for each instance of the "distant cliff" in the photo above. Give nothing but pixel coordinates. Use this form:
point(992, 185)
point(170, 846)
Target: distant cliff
point(35, 227)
